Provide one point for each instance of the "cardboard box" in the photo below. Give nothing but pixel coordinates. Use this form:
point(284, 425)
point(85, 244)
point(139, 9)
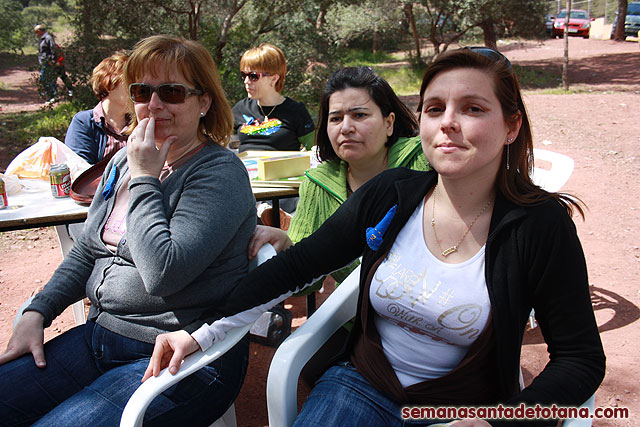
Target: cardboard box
point(271, 168)
point(261, 154)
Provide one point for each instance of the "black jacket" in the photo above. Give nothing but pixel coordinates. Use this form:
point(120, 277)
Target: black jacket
point(533, 260)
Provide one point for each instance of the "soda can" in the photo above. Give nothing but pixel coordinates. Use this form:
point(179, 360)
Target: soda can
point(60, 180)
point(3, 195)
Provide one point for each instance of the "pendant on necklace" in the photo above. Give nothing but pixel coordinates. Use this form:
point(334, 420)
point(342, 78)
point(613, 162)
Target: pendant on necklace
point(449, 251)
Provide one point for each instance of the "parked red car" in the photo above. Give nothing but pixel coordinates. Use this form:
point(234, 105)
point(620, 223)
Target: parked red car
point(579, 24)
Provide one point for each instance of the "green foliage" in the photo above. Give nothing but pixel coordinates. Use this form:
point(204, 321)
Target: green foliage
point(357, 57)
point(536, 78)
point(20, 130)
point(404, 80)
point(370, 20)
point(523, 18)
point(11, 33)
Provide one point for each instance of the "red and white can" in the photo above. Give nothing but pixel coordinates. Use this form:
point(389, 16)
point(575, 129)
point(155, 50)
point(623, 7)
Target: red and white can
point(60, 180)
point(3, 195)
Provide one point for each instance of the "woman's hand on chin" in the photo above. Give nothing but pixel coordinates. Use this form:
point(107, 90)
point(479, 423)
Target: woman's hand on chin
point(170, 350)
point(143, 157)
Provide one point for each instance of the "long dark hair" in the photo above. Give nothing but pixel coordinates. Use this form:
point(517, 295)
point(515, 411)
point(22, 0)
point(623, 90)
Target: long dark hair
point(405, 124)
point(515, 182)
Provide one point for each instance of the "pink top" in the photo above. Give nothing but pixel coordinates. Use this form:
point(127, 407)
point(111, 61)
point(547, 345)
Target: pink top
point(116, 225)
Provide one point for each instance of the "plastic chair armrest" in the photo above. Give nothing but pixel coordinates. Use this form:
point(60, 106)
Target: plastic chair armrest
point(297, 349)
point(133, 413)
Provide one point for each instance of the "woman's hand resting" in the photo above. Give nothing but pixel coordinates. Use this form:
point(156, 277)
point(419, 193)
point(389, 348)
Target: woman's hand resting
point(28, 337)
point(143, 157)
point(263, 234)
point(170, 350)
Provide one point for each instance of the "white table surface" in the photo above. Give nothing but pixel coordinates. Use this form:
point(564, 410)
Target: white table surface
point(35, 206)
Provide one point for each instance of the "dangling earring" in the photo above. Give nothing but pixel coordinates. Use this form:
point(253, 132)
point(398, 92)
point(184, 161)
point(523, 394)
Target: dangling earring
point(510, 140)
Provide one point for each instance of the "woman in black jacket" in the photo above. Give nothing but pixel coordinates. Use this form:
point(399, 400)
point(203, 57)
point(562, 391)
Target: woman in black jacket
point(453, 261)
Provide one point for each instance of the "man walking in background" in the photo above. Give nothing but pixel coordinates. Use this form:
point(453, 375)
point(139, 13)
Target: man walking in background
point(51, 65)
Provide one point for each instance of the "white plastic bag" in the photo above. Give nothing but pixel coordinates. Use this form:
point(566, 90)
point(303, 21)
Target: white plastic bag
point(35, 161)
point(11, 184)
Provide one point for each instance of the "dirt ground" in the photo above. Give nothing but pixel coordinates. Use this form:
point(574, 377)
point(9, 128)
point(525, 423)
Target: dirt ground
point(597, 127)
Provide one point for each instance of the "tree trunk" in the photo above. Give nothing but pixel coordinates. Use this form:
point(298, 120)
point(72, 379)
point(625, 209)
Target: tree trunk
point(408, 11)
point(622, 16)
point(194, 20)
point(565, 63)
point(489, 33)
point(377, 41)
point(226, 27)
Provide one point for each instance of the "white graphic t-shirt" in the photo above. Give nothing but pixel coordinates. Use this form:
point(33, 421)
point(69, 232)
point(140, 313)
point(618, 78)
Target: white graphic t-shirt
point(427, 312)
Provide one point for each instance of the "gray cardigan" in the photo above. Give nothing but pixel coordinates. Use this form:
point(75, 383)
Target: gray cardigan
point(184, 250)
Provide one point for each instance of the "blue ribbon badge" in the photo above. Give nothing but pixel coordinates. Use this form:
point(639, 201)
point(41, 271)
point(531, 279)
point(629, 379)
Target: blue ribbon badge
point(111, 183)
point(374, 234)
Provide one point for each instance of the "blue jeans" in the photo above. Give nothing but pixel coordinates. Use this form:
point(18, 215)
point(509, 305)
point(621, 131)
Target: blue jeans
point(48, 80)
point(91, 373)
point(343, 397)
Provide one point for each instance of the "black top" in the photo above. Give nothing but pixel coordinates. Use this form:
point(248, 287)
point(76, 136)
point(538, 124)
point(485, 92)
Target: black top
point(533, 258)
point(287, 122)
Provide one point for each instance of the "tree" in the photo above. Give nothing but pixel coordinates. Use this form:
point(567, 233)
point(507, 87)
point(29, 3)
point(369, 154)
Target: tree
point(447, 21)
point(411, 19)
point(11, 26)
point(565, 62)
point(372, 19)
point(620, 21)
point(520, 18)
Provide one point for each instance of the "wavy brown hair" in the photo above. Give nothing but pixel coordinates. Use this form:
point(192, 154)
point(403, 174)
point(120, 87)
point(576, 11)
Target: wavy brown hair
point(515, 182)
point(108, 74)
point(195, 63)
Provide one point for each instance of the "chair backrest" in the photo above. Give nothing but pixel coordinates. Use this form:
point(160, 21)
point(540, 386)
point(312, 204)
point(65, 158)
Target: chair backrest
point(264, 253)
point(554, 178)
point(297, 349)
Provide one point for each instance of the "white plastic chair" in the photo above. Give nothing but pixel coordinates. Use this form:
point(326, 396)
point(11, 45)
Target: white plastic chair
point(133, 413)
point(300, 346)
point(66, 244)
point(552, 179)
point(557, 176)
point(297, 349)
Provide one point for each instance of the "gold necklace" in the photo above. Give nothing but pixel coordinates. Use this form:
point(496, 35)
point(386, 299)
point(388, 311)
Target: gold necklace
point(454, 248)
point(266, 116)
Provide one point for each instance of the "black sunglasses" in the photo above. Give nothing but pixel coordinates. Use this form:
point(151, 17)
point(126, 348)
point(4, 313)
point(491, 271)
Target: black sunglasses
point(492, 54)
point(171, 93)
point(253, 76)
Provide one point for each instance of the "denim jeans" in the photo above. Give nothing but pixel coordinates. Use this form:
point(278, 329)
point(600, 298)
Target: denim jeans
point(48, 80)
point(91, 373)
point(343, 397)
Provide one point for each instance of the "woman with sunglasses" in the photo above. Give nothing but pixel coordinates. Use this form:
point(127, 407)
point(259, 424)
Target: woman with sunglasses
point(453, 261)
point(266, 120)
point(99, 133)
point(164, 242)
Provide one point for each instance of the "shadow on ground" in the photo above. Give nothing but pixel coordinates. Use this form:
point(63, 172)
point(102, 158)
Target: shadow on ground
point(624, 313)
point(619, 69)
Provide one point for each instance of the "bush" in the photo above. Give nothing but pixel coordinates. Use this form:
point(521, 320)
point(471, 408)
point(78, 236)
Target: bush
point(20, 130)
